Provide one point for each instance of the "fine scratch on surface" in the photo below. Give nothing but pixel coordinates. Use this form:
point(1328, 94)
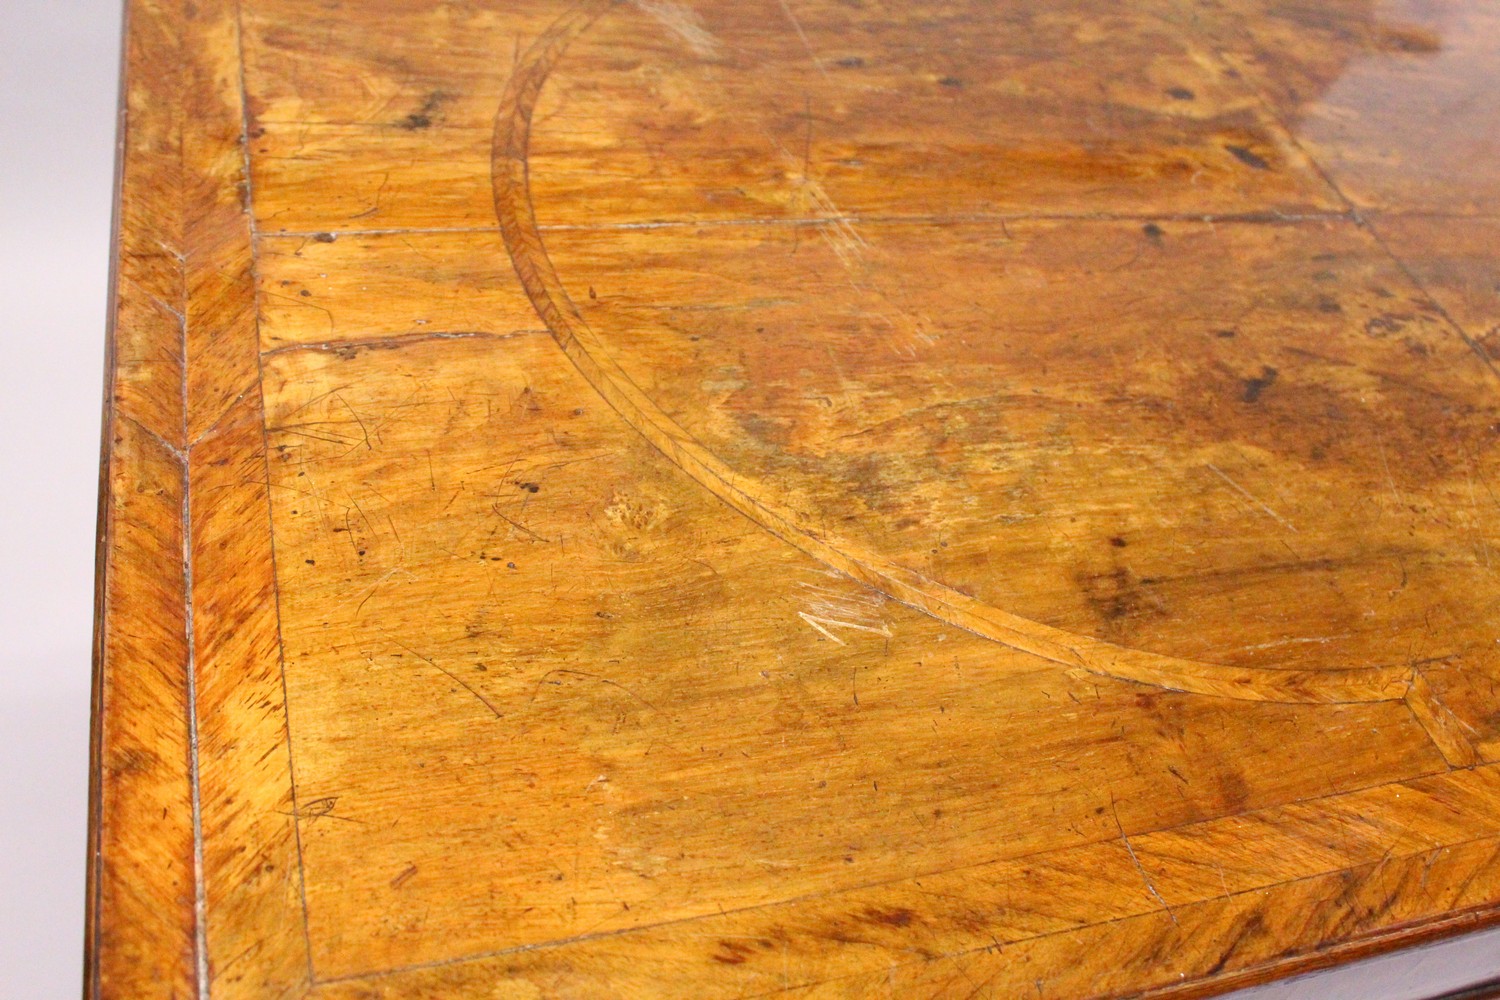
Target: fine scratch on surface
point(682, 21)
point(839, 233)
point(451, 676)
point(834, 225)
point(824, 624)
point(830, 609)
point(588, 676)
point(518, 526)
point(797, 26)
point(1252, 498)
point(1114, 810)
point(838, 230)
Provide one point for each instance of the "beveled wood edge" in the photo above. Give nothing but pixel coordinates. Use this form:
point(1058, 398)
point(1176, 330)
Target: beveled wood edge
point(118, 453)
point(1372, 945)
point(1416, 815)
point(102, 525)
point(182, 386)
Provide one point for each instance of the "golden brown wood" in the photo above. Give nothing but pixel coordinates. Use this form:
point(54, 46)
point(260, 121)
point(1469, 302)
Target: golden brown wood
point(790, 497)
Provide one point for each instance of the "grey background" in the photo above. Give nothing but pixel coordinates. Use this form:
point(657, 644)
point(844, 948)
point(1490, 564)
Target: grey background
point(58, 81)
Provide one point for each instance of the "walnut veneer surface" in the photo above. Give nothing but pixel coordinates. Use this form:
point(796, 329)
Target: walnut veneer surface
point(824, 498)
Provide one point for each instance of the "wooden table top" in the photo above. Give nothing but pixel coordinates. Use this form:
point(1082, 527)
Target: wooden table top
point(719, 498)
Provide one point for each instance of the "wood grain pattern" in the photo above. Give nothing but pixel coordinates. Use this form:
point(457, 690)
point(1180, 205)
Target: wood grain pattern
point(796, 498)
point(220, 720)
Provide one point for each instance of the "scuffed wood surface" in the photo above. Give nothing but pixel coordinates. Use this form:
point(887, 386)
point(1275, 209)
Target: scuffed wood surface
point(796, 498)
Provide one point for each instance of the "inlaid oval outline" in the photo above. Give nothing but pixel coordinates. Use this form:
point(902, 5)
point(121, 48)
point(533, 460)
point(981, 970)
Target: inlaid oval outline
point(590, 353)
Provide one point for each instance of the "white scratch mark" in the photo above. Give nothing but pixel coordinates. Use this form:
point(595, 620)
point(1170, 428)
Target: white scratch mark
point(1321, 639)
point(787, 10)
point(684, 22)
point(834, 226)
point(823, 624)
point(1252, 498)
point(1390, 480)
point(1140, 868)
